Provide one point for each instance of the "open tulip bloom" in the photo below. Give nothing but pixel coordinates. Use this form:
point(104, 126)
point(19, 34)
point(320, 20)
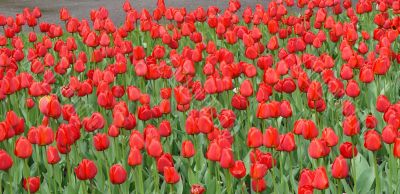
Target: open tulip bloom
point(293, 97)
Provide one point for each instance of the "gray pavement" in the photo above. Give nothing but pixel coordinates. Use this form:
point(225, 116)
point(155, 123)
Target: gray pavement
point(81, 8)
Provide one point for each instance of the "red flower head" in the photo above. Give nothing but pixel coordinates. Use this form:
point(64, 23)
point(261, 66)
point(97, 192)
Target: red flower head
point(52, 155)
point(238, 170)
point(347, 150)
point(197, 189)
point(320, 181)
point(31, 184)
point(134, 157)
point(117, 174)
point(372, 140)
point(6, 160)
point(23, 148)
point(86, 170)
point(340, 168)
point(50, 106)
point(171, 176)
point(351, 125)
point(188, 149)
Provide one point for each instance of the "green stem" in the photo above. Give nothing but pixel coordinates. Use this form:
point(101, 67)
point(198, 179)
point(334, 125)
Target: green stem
point(68, 167)
point(141, 189)
point(171, 186)
point(156, 179)
point(228, 181)
point(377, 178)
point(11, 182)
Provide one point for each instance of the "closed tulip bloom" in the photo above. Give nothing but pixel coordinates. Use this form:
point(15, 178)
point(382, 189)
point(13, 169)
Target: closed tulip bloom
point(307, 128)
point(314, 91)
point(117, 174)
point(305, 190)
point(30, 103)
point(154, 149)
point(271, 137)
point(101, 141)
point(258, 185)
point(239, 102)
point(318, 148)
point(254, 138)
point(86, 170)
point(188, 149)
point(246, 88)
point(136, 140)
point(258, 170)
point(163, 161)
point(351, 126)
point(227, 158)
point(285, 109)
point(50, 106)
point(31, 184)
point(330, 137)
point(286, 142)
point(23, 148)
point(197, 189)
point(340, 168)
point(6, 161)
point(347, 150)
point(382, 103)
point(171, 176)
point(348, 108)
point(396, 148)
point(389, 134)
point(41, 135)
point(320, 181)
point(53, 157)
point(227, 118)
point(306, 177)
point(371, 121)
point(352, 89)
point(214, 151)
point(165, 128)
point(134, 157)
point(372, 140)
point(238, 170)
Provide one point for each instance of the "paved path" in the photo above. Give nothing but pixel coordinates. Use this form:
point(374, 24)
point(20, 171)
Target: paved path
point(81, 8)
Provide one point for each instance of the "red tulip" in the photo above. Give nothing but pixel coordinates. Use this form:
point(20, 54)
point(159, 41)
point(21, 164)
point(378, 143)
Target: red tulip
point(318, 148)
point(286, 142)
point(372, 140)
point(197, 189)
point(320, 181)
point(258, 185)
point(86, 170)
point(238, 170)
point(31, 184)
point(214, 151)
point(347, 150)
point(340, 168)
point(23, 148)
point(134, 157)
point(227, 158)
point(101, 141)
point(6, 160)
point(396, 148)
point(52, 155)
point(171, 176)
point(389, 134)
point(271, 137)
point(50, 106)
point(227, 118)
point(188, 149)
point(254, 138)
point(371, 121)
point(351, 126)
point(330, 137)
point(117, 174)
point(163, 161)
point(154, 149)
point(382, 103)
point(258, 170)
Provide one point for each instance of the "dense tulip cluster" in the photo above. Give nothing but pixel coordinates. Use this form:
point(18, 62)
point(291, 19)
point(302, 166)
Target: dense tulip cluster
point(294, 97)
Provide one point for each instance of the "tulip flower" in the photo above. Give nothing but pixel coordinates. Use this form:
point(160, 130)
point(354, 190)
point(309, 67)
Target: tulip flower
point(86, 170)
point(117, 174)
